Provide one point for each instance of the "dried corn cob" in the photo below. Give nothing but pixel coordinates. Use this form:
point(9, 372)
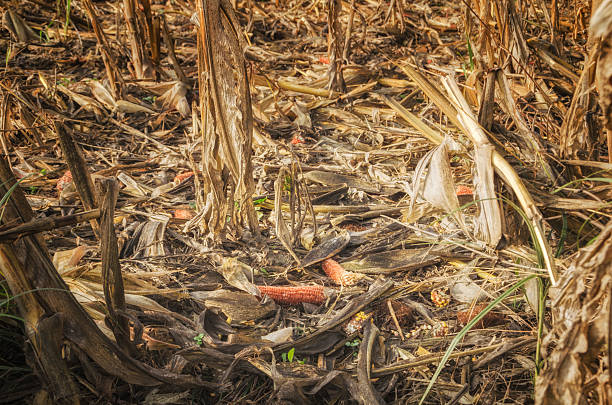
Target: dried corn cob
point(63, 181)
point(440, 298)
point(336, 272)
point(464, 190)
point(313, 294)
point(179, 178)
point(356, 323)
point(439, 329)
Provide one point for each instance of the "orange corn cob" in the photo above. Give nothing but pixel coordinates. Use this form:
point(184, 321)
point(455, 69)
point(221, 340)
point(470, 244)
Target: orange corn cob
point(336, 272)
point(179, 178)
point(440, 298)
point(313, 294)
point(63, 181)
point(183, 213)
point(356, 323)
point(464, 190)
point(297, 139)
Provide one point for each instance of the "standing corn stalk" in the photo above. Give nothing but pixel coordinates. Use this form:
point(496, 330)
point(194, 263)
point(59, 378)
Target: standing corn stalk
point(136, 27)
point(227, 124)
point(578, 132)
point(335, 45)
point(601, 27)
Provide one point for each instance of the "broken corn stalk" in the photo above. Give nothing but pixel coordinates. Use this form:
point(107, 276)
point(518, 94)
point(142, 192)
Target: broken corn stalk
point(336, 272)
point(313, 294)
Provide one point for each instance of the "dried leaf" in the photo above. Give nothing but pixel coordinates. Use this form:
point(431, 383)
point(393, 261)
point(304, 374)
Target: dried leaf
point(236, 273)
point(176, 98)
point(18, 27)
point(439, 186)
point(326, 249)
point(237, 306)
point(68, 259)
point(102, 94)
point(131, 108)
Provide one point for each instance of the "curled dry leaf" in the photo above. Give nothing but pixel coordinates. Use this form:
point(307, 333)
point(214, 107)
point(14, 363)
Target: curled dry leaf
point(326, 249)
point(175, 98)
point(237, 306)
point(279, 336)
point(302, 116)
point(128, 107)
point(463, 289)
point(235, 273)
point(150, 238)
point(68, 259)
point(337, 179)
point(439, 186)
point(102, 94)
point(87, 103)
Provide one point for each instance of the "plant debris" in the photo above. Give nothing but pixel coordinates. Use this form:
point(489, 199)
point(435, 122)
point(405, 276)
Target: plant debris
point(305, 202)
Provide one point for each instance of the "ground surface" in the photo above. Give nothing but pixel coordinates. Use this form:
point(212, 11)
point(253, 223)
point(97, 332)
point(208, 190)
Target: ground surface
point(352, 160)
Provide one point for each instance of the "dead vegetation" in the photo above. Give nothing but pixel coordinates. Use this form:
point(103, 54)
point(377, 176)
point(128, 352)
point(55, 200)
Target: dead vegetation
point(300, 202)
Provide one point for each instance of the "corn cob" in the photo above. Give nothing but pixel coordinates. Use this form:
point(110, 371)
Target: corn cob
point(179, 178)
point(440, 298)
point(313, 294)
point(63, 181)
point(336, 272)
point(356, 323)
point(463, 190)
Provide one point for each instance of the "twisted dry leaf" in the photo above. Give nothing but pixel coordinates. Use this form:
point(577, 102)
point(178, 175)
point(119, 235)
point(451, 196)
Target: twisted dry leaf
point(439, 186)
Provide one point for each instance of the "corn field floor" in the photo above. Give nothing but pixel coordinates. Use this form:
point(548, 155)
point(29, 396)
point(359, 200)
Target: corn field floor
point(428, 177)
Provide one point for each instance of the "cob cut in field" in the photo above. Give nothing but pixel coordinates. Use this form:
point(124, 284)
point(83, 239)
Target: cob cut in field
point(313, 294)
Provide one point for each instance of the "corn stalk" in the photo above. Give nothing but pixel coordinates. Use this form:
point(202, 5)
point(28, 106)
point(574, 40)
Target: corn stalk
point(227, 124)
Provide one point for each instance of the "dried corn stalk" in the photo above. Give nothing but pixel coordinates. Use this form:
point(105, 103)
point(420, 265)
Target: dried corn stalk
point(335, 44)
point(576, 133)
point(513, 36)
point(112, 71)
point(489, 224)
point(143, 67)
point(575, 370)
point(227, 123)
point(601, 26)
